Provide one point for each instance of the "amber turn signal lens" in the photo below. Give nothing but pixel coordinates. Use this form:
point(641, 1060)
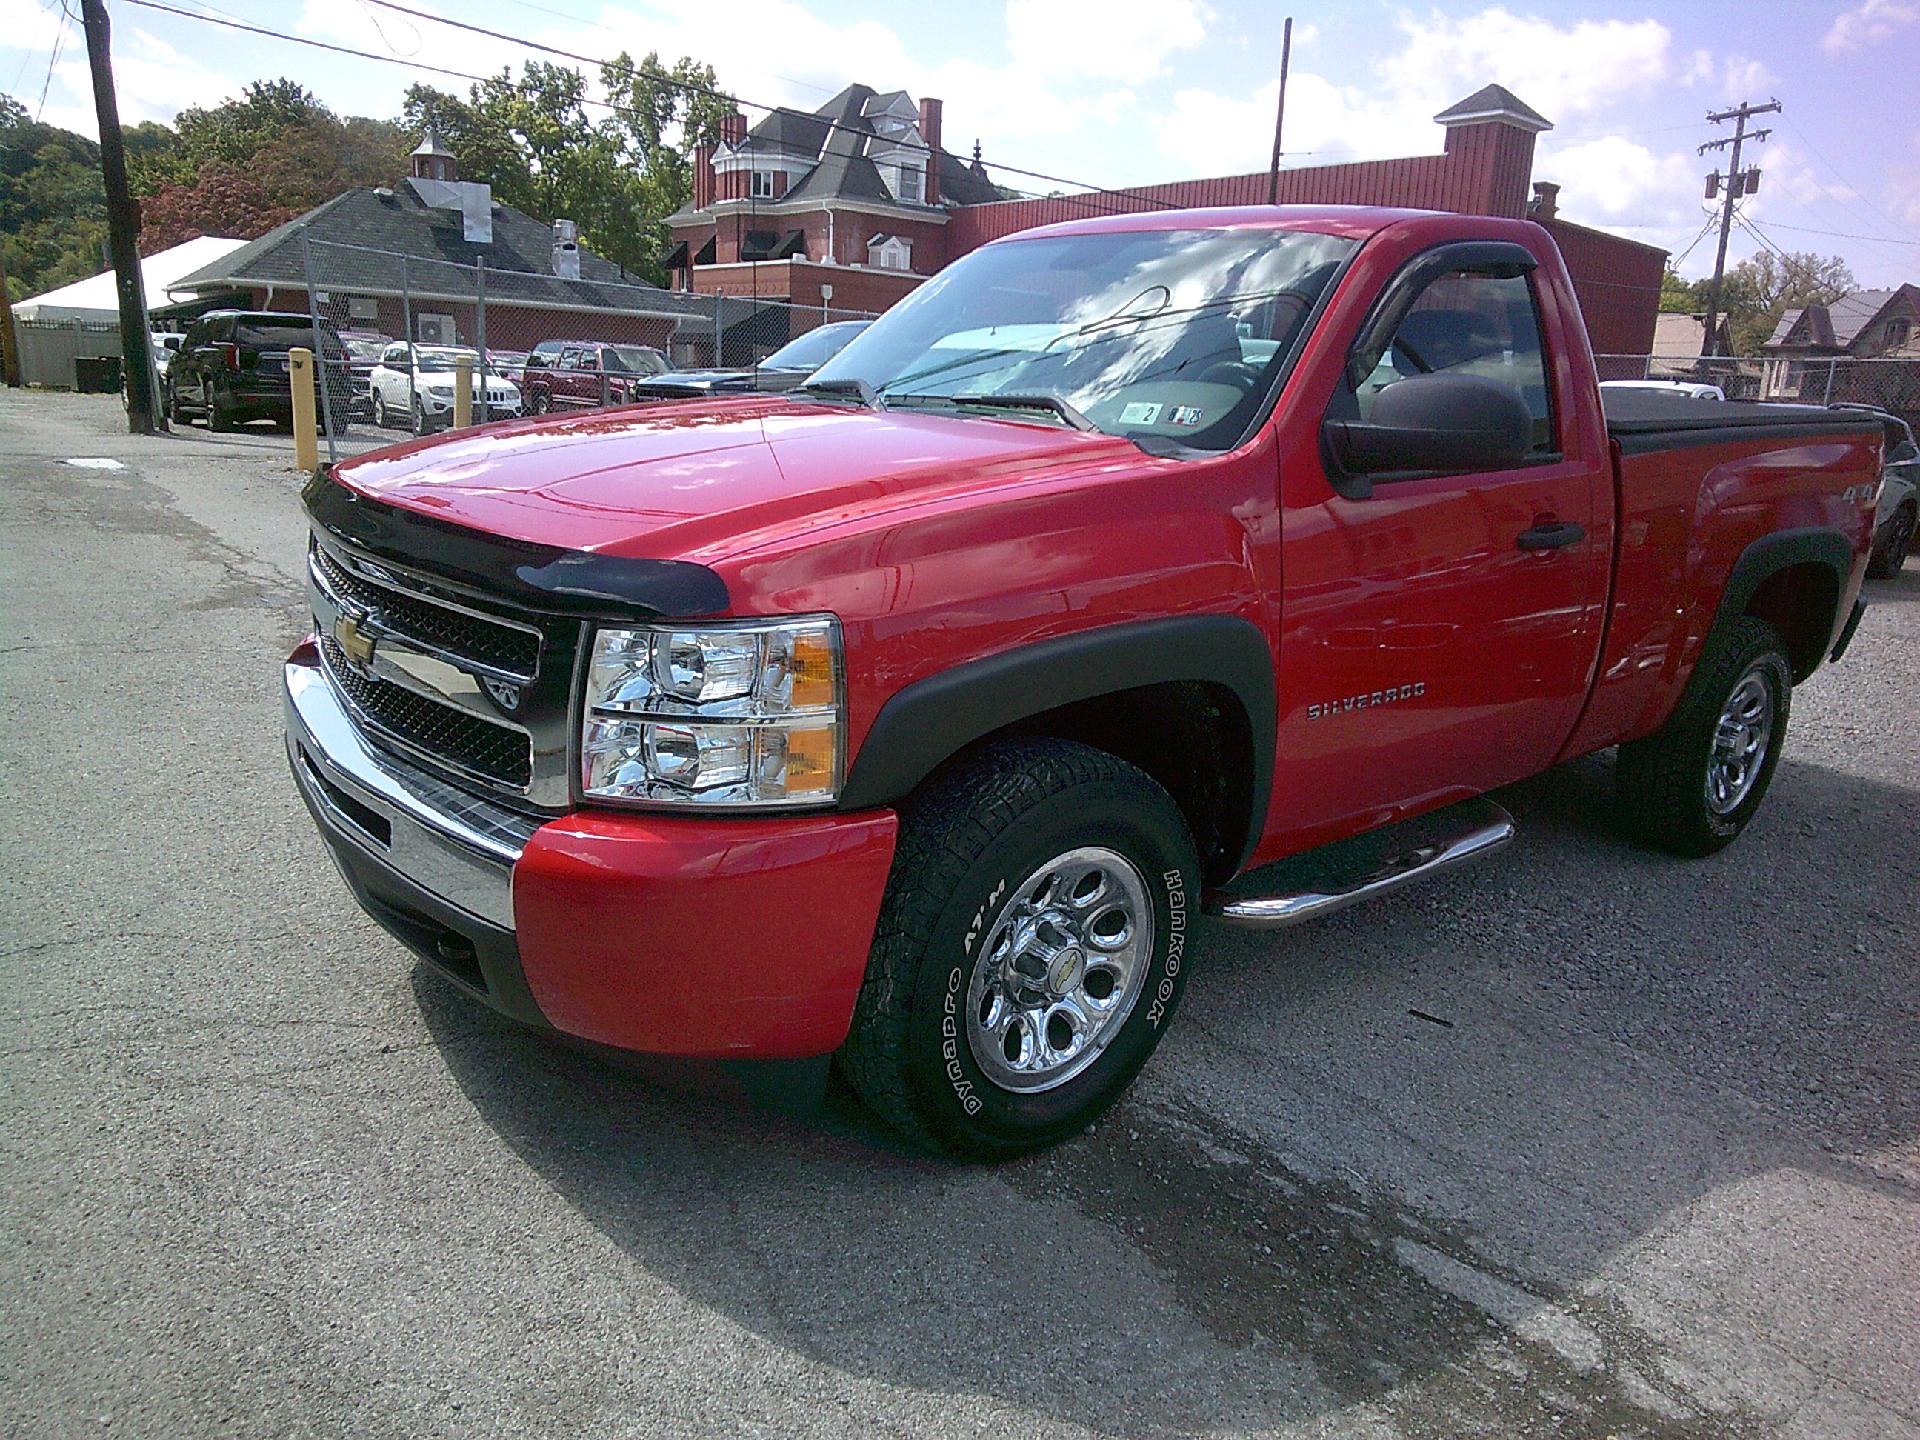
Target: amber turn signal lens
point(811, 665)
point(809, 760)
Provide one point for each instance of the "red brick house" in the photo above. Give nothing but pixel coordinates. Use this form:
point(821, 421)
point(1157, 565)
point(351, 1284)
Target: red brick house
point(844, 197)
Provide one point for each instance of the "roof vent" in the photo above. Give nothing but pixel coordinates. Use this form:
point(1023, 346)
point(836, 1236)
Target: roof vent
point(566, 250)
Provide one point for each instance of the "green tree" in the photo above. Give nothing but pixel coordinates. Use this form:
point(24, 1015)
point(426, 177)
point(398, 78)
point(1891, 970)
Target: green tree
point(1758, 291)
point(53, 208)
point(533, 141)
point(1681, 297)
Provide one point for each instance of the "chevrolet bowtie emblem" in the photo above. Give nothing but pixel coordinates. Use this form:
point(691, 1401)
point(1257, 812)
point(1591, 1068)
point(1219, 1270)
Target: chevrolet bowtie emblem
point(354, 642)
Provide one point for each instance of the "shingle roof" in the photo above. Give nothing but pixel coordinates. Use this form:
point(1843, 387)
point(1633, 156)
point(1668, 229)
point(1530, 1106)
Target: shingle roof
point(1851, 314)
point(1838, 326)
point(1491, 102)
point(360, 237)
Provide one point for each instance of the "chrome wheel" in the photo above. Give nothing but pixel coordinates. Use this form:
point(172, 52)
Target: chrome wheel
point(1740, 740)
point(1060, 968)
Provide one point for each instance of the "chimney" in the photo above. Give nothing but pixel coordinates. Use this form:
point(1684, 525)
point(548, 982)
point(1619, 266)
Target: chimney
point(733, 134)
point(702, 176)
point(566, 250)
point(930, 132)
point(1546, 201)
point(733, 129)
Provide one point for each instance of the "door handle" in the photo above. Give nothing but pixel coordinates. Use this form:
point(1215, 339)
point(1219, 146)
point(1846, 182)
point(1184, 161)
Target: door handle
point(1552, 535)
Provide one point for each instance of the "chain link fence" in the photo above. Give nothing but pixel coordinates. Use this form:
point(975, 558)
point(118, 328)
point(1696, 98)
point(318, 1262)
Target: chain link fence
point(532, 342)
point(1892, 385)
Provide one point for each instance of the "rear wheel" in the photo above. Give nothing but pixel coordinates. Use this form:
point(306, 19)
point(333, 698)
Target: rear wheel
point(1691, 787)
point(379, 411)
point(1891, 553)
point(1030, 952)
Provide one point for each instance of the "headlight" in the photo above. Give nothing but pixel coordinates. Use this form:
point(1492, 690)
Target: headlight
point(715, 715)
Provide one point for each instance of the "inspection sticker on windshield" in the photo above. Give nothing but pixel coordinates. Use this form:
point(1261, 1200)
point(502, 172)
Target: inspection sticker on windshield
point(1185, 415)
point(1139, 412)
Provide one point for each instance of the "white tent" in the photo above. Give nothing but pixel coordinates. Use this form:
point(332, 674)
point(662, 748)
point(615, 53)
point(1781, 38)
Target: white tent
point(96, 298)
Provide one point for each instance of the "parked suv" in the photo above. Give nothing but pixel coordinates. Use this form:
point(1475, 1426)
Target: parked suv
point(577, 374)
point(232, 367)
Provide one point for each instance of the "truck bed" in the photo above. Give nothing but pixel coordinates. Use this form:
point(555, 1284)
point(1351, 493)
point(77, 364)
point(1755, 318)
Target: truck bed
point(1643, 420)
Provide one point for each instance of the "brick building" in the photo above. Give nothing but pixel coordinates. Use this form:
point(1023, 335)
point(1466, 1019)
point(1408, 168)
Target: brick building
point(859, 196)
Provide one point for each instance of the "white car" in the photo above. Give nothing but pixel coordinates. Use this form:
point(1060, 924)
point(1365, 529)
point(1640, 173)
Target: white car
point(422, 396)
point(1691, 389)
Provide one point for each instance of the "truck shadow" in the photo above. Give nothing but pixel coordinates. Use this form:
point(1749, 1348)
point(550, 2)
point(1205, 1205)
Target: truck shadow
point(1312, 1202)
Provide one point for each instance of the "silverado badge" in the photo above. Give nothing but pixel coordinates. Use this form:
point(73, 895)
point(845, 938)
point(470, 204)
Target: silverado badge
point(354, 642)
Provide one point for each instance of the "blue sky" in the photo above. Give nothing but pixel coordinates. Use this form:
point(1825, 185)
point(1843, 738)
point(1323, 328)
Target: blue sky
point(1122, 92)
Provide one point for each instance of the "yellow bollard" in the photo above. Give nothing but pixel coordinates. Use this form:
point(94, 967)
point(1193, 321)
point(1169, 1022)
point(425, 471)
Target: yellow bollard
point(462, 391)
point(306, 431)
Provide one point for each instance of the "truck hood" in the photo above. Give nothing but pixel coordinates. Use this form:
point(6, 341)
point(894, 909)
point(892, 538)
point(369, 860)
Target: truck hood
point(702, 480)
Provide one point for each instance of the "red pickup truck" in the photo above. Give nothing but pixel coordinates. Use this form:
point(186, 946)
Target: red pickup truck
point(918, 715)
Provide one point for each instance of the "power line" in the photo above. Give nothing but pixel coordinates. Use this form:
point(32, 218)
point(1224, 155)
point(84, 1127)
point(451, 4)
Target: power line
point(1841, 234)
point(1859, 194)
point(714, 92)
point(1090, 201)
point(53, 59)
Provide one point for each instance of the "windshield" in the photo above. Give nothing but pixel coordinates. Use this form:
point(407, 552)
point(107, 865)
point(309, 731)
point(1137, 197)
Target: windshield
point(364, 349)
point(634, 360)
point(813, 349)
point(438, 360)
point(272, 335)
point(1176, 334)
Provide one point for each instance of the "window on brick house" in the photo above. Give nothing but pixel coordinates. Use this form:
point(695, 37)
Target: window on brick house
point(910, 179)
point(762, 185)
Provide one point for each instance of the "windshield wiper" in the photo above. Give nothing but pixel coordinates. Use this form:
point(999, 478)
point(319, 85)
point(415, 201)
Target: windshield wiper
point(851, 385)
point(1025, 400)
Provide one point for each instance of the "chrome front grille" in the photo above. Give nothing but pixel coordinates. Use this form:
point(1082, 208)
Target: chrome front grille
point(430, 674)
point(438, 626)
point(489, 752)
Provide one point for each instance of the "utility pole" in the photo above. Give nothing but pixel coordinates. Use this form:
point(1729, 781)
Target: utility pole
point(1280, 112)
point(123, 226)
point(9, 337)
point(1735, 183)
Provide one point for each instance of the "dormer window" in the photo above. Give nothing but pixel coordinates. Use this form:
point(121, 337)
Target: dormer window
point(762, 185)
point(910, 182)
point(890, 252)
point(1897, 332)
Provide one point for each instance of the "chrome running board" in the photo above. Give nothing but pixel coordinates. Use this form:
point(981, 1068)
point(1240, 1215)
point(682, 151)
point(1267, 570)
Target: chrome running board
point(1472, 830)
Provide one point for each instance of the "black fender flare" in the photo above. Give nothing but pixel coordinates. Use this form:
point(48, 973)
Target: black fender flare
point(1770, 554)
point(929, 721)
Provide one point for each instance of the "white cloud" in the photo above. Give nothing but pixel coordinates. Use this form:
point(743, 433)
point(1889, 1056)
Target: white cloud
point(1868, 23)
point(1616, 178)
point(1903, 188)
point(1114, 39)
point(1561, 71)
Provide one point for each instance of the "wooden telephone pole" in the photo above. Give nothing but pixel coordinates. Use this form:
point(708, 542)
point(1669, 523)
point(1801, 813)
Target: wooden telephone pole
point(123, 226)
point(1280, 112)
point(1737, 183)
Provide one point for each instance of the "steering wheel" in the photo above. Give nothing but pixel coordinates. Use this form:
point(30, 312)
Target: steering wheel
point(1227, 372)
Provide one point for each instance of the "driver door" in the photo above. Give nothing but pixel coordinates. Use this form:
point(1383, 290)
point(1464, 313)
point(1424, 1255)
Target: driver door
point(1434, 644)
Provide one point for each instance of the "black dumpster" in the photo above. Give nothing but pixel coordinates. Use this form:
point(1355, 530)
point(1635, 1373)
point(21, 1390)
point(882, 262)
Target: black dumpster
point(96, 374)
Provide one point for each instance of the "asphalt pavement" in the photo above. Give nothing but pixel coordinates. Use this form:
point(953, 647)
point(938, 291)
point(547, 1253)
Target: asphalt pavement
point(1580, 1142)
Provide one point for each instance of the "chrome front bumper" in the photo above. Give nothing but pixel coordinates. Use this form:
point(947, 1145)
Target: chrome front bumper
point(456, 846)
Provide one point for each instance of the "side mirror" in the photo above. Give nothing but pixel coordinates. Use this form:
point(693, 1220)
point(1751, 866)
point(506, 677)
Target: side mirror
point(1428, 425)
point(1903, 452)
point(169, 342)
